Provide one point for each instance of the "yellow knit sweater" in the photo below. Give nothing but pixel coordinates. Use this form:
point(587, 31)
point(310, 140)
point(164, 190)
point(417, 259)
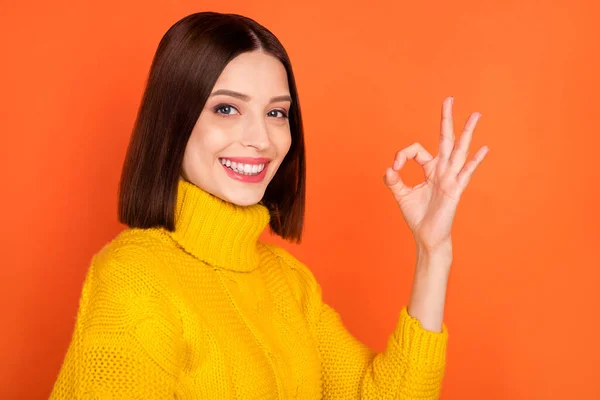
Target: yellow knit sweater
point(210, 312)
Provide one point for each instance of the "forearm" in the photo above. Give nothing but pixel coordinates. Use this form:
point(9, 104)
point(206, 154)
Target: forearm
point(430, 282)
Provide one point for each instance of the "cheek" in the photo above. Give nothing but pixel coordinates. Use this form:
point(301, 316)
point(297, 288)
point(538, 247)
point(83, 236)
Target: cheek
point(206, 143)
point(282, 143)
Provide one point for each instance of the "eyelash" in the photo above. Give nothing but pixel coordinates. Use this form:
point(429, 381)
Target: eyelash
point(221, 106)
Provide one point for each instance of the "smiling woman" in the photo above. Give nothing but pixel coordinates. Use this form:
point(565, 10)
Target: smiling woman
point(221, 86)
point(187, 303)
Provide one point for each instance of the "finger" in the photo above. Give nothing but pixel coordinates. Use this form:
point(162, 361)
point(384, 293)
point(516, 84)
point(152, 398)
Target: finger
point(392, 178)
point(415, 151)
point(459, 155)
point(467, 172)
point(393, 181)
point(447, 130)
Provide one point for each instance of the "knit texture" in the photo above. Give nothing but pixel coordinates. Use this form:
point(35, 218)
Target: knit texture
point(210, 312)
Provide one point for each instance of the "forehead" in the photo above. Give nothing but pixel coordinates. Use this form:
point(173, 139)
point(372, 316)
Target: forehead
point(256, 74)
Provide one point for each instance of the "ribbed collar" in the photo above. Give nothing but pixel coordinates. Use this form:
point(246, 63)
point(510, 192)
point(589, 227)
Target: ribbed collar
point(217, 232)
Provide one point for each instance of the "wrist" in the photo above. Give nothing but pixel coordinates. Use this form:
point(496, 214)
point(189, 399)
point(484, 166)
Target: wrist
point(438, 258)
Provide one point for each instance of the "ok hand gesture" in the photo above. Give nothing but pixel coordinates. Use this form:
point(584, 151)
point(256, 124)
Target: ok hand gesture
point(430, 206)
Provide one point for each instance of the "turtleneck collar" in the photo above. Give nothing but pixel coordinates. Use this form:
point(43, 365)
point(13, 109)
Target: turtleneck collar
point(217, 232)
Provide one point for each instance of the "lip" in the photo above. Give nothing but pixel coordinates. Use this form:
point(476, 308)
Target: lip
point(246, 178)
point(248, 160)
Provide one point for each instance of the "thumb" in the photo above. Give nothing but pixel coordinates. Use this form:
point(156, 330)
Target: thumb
point(393, 181)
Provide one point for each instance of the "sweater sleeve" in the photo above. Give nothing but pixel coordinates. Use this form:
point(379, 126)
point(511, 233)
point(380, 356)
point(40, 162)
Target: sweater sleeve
point(127, 341)
point(412, 365)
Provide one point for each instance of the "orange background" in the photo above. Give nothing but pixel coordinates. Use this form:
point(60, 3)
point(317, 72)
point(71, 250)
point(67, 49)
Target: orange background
point(523, 302)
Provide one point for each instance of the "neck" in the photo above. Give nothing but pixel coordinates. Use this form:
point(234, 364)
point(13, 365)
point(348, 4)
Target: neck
point(217, 232)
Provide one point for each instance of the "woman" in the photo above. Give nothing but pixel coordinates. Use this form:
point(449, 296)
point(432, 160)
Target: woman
point(186, 303)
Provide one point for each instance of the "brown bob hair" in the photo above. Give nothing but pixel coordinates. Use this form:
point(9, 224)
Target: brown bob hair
point(188, 61)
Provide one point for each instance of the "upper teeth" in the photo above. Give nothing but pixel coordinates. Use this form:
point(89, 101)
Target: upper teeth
point(240, 168)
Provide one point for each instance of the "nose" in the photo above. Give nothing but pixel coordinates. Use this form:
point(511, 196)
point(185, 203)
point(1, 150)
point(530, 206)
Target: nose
point(256, 134)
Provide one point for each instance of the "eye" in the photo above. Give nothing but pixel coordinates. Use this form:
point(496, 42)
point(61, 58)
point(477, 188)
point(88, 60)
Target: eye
point(273, 113)
point(225, 109)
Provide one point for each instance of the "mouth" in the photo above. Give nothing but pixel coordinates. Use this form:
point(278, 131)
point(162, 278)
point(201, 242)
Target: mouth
point(246, 170)
point(249, 167)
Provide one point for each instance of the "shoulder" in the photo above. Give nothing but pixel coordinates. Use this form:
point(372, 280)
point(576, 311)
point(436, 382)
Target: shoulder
point(127, 280)
point(133, 245)
point(133, 261)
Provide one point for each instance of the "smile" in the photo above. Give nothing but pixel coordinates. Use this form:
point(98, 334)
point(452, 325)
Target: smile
point(243, 168)
point(246, 169)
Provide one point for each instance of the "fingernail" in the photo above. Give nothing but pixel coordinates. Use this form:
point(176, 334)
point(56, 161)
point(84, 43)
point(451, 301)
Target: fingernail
point(389, 173)
point(451, 100)
point(396, 164)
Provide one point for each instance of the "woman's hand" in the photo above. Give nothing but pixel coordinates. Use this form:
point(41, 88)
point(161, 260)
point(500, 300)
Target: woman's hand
point(430, 206)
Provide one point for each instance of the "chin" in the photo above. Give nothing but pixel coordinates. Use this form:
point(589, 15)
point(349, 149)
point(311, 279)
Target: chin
point(245, 199)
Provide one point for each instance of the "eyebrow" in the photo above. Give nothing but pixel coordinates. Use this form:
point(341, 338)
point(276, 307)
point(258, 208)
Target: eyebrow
point(245, 97)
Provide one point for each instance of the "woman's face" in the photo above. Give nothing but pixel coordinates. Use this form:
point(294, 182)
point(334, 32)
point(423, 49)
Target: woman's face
point(243, 133)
